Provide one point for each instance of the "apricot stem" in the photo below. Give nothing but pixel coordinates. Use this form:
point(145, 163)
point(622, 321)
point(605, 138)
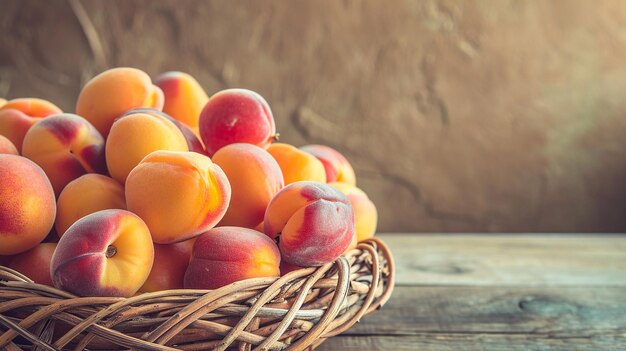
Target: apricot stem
point(111, 251)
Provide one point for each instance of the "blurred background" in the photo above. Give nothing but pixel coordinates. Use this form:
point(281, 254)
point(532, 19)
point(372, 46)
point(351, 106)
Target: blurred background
point(495, 115)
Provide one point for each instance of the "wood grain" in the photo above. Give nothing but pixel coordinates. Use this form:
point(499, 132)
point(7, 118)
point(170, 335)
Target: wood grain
point(473, 342)
point(499, 293)
point(509, 260)
point(567, 312)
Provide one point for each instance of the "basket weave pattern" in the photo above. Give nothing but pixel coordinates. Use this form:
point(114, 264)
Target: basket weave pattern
point(296, 311)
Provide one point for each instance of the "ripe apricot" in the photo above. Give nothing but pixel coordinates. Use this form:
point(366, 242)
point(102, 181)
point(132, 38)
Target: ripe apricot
point(236, 116)
point(28, 207)
point(254, 178)
point(134, 136)
point(184, 97)
point(85, 195)
point(178, 194)
point(224, 255)
point(312, 221)
point(113, 92)
point(297, 165)
point(66, 146)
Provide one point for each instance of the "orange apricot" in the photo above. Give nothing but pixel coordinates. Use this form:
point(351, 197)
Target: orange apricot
point(297, 165)
point(178, 194)
point(134, 136)
point(184, 96)
point(85, 195)
point(254, 178)
point(115, 91)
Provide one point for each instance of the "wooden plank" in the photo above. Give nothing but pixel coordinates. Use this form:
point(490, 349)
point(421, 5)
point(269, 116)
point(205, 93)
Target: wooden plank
point(567, 312)
point(509, 260)
point(473, 342)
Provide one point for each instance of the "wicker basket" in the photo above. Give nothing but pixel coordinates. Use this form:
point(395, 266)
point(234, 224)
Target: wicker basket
point(296, 311)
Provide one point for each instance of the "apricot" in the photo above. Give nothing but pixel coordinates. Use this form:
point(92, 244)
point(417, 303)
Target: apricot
point(297, 165)
point(312, 221)
point(178, 194)
point(7, 147)
point(236, 116)
point(66, 146)
point(18, 115)
point(170, 264)
point(254, 178)
point(14, 124)
point(115, 91)
point(27, 208)
point(191, 136)
point(85, 195)
point(224, 255)
point(33, 107)
point(184, 96)
point(365, 213)
point(134, 136)
point(35, 263)
point(337, 167)
point(2, 102)
point(107, 253)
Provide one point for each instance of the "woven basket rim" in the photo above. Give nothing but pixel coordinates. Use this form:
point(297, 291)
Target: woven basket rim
point(296, 311)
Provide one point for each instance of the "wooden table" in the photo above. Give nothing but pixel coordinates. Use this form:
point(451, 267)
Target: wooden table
point(499, 292)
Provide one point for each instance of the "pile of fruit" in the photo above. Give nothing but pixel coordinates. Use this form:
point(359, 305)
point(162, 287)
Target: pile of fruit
point(155, 186)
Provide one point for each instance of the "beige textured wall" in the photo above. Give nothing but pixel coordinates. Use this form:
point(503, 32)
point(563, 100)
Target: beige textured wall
point(457, 115)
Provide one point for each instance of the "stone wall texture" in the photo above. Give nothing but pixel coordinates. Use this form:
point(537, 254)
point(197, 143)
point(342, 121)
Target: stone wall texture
point(458, 116)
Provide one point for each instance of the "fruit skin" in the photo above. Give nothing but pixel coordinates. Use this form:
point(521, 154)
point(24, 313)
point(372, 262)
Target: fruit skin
point(193, 142)
point(134, 136)
point(5, 260)
point(35, 263)
point(314, 223)
point(337, 167)
point(115, 91)
point(365, 213)
point(85, 195)
point(170, 263)
point(107, 253)
point(2, 102)
point(66, 146)
point(297, 165)
point(178, 194)
point(18, 115)
point(254, 178)
point(33, 107)
point(288, 268)
point(14, 124)
point(236, 116)
point(7, 147)
point(184, 96)
point(28, 207)
point(224, 255)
